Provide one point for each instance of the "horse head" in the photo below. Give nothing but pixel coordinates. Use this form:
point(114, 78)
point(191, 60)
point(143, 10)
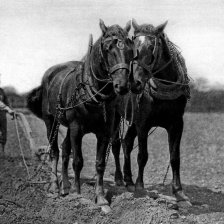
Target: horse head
point(148, 49)
point(117, 53)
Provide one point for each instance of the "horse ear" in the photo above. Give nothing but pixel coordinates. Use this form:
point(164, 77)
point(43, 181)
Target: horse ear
point(102, 26)
point(135, 24)
point(159, 29)
point(128, 26)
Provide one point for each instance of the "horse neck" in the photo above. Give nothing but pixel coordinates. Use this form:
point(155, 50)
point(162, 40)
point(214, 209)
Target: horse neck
point(169, 72)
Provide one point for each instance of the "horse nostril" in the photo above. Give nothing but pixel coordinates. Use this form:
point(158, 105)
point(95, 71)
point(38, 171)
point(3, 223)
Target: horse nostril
point(116, 86)
point(138, 83)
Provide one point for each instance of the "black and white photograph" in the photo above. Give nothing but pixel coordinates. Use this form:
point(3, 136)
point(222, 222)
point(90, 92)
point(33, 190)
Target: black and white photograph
point(111, 112)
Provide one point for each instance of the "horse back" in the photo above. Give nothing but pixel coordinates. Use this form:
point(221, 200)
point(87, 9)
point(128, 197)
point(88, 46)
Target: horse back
point(60, 79)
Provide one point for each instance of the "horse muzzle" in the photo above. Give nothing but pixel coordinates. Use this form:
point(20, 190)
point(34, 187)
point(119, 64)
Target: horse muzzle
point(121, 81)
point(121, 88)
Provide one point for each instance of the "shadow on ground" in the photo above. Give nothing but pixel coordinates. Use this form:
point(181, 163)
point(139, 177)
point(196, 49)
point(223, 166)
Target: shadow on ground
point(203, 200)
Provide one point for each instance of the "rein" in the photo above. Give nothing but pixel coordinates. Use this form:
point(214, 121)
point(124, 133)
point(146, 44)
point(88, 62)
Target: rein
point(162, 68)
point(177, 83)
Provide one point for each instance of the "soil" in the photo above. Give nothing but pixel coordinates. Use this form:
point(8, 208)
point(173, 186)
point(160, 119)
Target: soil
point(202, 172)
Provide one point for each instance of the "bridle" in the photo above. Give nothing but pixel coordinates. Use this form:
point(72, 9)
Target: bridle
point(110, 71)
point(157, 54)
point(89, 71)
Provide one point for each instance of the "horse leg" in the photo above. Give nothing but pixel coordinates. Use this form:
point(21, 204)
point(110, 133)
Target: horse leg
point(2, 151)
point(142, 158)
point(174, 137)
point(127, 148)
point(66, 150)
point(102, 144)
point(52, 135)
point(116, 146)
point(76, 146)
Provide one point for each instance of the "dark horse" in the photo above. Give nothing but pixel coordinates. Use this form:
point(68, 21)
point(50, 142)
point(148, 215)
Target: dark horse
point(80, 96)
point(159, 70)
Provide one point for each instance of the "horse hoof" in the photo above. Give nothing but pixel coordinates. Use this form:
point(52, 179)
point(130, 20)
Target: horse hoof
point(52, 195)
point(184, 204)
point(54, 188)
point(139, 187)
point(130, 188)
point(78, 188)
point(180, 196)
point(106, 209)
point(65, 191)
point(65, 188)
point(119, 183)
point(2, 155)
point(101, 200)
point(182, 200)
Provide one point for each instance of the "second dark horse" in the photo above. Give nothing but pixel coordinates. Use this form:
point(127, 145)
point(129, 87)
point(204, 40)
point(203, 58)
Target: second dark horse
point(159, 71)
point(80, 96)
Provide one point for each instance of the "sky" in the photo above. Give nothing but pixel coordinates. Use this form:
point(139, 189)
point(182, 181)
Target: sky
point(37, 34)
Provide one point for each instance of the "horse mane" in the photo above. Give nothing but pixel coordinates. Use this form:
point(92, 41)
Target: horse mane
point(116, 30)
point(146, 29)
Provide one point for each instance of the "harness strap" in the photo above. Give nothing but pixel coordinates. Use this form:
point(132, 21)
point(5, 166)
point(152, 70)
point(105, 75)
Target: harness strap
point(114, 68)
point(146, 67)
point(94, 75)
point(110, 38)
point(157, 56)
point(91, 94)
point(163, 67)
point(60, 89)
point(104, 97)
point(117, 67)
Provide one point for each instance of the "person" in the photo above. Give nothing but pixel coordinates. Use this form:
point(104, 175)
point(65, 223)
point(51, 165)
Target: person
point(4, 108)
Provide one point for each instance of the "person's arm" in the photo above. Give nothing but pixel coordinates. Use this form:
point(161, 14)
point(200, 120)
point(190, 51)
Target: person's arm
point(4, 104)
point(6, 108)
point(5, 98)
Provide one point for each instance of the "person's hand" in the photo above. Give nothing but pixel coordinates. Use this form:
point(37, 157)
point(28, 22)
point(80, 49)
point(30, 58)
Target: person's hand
point(12, 113)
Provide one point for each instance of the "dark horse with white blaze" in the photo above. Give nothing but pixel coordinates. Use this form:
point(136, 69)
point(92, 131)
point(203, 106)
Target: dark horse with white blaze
point(159, 72)
point(80, 96)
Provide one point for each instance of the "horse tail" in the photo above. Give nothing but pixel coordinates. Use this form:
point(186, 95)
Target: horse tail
point(34, 101)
